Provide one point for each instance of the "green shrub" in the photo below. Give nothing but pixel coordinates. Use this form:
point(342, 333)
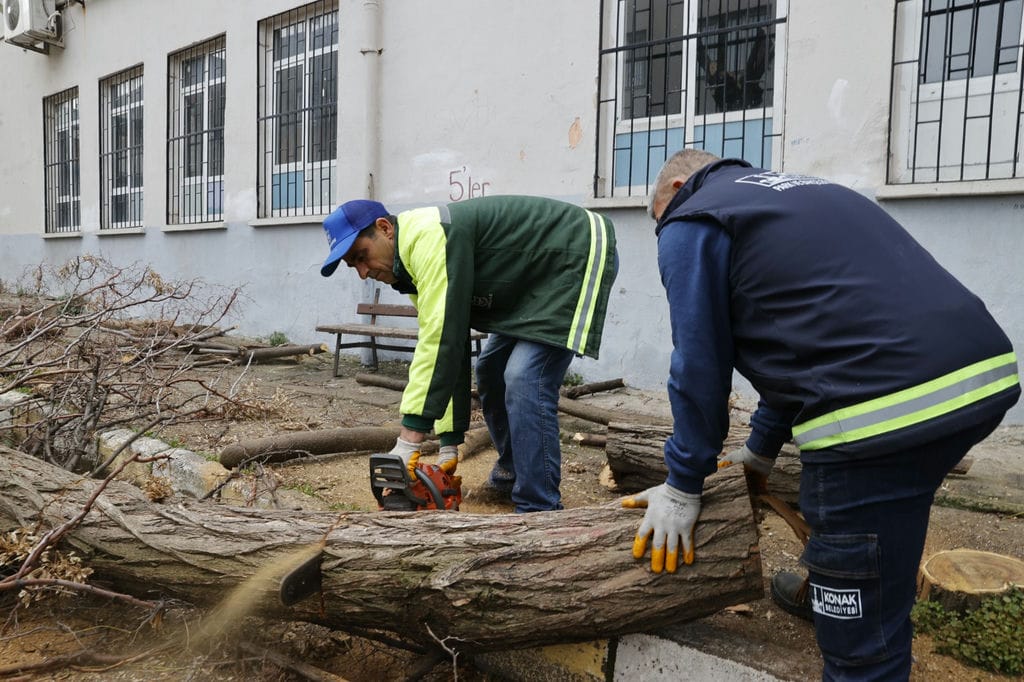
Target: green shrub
point(277, 339)
point(990, 637)
point(572, 379)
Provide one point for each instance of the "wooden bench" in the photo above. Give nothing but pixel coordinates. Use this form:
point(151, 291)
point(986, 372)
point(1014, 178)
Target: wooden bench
point(373, 331)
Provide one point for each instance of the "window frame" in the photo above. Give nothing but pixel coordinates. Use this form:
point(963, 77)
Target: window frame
point(313, 158)
point(122, 95)
point(930, 117)
point(61, 159)
point(664, 133)
point(194, 198)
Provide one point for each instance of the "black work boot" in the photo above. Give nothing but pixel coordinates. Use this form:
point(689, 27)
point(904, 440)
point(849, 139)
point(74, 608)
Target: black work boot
point(792, 594)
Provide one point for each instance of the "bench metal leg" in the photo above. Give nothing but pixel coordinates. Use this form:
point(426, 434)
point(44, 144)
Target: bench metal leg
point(337, 352)
point(373, 351)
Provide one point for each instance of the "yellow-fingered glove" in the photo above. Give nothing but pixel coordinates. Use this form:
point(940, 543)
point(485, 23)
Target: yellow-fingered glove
point(448, 458)
point(671, 514)
point(755, 467)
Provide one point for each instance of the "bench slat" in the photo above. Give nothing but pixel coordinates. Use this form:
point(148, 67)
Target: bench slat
point(370, 330)
point(386, 309)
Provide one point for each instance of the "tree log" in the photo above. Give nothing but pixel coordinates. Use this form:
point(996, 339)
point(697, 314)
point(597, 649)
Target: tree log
point(476, 440)
point(595, 387)
point(593, 440)
point(636, 458)
point(286, 446)
point(477, 582)
point(258, 354)
point(960, 579)
point(367, 379)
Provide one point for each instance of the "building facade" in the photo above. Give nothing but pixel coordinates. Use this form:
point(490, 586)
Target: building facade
point(209, 140)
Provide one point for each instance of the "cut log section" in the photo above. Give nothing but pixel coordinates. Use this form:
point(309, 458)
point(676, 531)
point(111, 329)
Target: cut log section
point(595, 387)
point(960, 579)
point(636, 459)
point(477, 582)
point(286, 446)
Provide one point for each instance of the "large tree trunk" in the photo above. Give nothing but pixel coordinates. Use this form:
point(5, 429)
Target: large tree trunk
point(485, 582)
point(636, 458)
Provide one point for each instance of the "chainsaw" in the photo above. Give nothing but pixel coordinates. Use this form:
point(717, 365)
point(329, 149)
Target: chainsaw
point(414, 486)
point(398, 487)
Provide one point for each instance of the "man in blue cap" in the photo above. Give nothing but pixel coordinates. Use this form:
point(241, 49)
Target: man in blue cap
point(535, 273)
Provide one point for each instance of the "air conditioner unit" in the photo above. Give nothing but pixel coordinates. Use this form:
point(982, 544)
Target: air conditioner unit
point(27, 22)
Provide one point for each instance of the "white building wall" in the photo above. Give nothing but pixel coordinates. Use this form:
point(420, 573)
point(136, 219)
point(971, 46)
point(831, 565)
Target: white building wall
point(440, 102)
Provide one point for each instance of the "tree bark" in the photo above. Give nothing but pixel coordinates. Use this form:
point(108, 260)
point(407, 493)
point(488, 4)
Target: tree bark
point(960, 579)
point(477, 582)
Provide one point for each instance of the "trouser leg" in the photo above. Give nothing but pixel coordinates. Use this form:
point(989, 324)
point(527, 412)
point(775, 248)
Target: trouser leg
point(869, 519)
point(533, 376)
point(490, 384)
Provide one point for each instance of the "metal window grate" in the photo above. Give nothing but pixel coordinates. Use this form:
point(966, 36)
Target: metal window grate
point(957, 98)
point(297, 116)
point(121, 150)
point(683, 73)
point(196, 82)
point(61, 170)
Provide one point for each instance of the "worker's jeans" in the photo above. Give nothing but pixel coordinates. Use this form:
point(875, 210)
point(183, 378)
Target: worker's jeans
point(868, 523)
point(518, 383)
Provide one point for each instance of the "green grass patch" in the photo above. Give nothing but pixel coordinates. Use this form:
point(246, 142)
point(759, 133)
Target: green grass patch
point(990, 637)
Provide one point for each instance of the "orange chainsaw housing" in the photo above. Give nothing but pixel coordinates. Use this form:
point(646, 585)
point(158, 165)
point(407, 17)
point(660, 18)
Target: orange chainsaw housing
point(450, 487)
point(412, 486)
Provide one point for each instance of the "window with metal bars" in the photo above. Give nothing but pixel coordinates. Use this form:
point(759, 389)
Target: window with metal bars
point(297, 111)
point(684, 73)
point(121, 150)
point(196, 81)
point(957, 99)
point(60, 151)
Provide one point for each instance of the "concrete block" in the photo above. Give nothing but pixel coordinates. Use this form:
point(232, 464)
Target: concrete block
point(187, 472)
point(653, 659)
point(109, 442)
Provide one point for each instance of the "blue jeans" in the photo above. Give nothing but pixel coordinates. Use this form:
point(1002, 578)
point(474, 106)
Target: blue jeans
point(518, 382)
point(868, 520)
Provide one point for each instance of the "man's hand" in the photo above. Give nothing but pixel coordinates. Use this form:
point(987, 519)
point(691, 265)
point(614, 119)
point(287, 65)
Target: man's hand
point(448, 458)
point(405, 449)
point(671, 515)
point(756, 467)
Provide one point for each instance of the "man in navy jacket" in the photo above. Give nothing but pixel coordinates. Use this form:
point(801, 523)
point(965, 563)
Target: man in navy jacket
point(879, 364)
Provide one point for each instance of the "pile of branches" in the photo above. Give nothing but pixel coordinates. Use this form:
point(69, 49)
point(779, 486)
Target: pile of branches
point(97, 346)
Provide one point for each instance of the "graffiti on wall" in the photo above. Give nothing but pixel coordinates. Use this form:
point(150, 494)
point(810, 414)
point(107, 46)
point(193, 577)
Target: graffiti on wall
point(462, 185)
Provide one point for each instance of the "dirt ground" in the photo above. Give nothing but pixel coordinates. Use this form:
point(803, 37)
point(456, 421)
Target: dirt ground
point(304, 395)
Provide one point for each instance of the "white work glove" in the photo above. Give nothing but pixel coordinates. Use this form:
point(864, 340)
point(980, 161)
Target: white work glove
point(448, 458)
point(671, 515)
point(756, 467)
point(405, 450)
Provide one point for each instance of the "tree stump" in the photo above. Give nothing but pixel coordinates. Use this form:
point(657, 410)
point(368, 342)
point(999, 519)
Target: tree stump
point(960, 579)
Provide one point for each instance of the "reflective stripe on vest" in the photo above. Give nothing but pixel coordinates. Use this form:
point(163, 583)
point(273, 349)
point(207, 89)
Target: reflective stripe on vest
point(910, 406)
point(585, 306)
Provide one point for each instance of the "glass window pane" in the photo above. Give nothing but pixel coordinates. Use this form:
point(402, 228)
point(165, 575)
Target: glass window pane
point(735, 66)
point(322, 135)
point(290, 41)
point(216, 129)
point(288, 104)
point(325, 31)
point(192, 71)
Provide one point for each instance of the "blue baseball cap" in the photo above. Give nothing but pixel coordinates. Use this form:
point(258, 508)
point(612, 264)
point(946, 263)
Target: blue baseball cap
point(344, 225)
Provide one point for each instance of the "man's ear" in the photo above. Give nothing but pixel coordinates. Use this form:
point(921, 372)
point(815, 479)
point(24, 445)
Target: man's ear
point(385, 228)
point(678, 182)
